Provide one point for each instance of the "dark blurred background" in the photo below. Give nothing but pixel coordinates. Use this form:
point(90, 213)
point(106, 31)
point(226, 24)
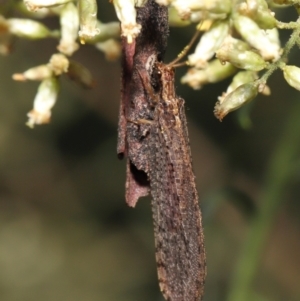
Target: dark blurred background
point(65, 230)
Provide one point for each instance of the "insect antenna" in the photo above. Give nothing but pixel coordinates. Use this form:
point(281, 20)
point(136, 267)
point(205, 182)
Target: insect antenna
point(175, 63)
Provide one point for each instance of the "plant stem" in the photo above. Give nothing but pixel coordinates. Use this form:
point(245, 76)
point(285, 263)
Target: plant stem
point(288, 46)
point(279, 172)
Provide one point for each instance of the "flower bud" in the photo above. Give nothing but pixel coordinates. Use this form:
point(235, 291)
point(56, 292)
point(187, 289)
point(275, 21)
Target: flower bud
point(236, 44)
point(40, 13)
point(58, 64)
point(258, 11)
point(36, 73)
point(247, 60)
point(110, 30)
point(34, 5)
point(175, 20)
point(126, 13)
point(265, 41)
point(202, 16)
point(29, 29)
point(214, 72)
point(88, 19)
point(69, 22)
point(292, 76)
point(209, 43)
point(111, 49)
point(186, 7)
point(241, 78)
point(43, 102)
point(235, 99)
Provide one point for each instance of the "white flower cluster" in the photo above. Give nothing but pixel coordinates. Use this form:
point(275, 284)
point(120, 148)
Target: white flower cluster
point(237, 35)
point(78, 22)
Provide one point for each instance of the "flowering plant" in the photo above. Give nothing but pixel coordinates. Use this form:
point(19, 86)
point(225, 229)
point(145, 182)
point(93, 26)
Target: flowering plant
point(239, 38)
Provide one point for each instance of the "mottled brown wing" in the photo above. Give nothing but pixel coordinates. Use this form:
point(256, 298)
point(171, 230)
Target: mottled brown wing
point(179, 241)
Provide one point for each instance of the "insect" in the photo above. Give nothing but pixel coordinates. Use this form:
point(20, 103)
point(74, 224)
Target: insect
point(153, 136)
point(179, 239)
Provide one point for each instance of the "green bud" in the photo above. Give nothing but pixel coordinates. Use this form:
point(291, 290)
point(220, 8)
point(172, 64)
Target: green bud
point(186, 7)
point(88, 19)
point(69, 22)
point(258, 11)
point(175, 20)
point(241, 78)
point(265, 41)
point(58, 64)
point(200, 15)
point(235, 99)
point(107, 31)
point(292, 76)
point(36, 14)
point(237, 44)
point(247, 60)
point(33, 5)
point(29, 29)
point(214, 72)
point(208, 44)
point(265, 19)
point(36, 73)
point(43, 102)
